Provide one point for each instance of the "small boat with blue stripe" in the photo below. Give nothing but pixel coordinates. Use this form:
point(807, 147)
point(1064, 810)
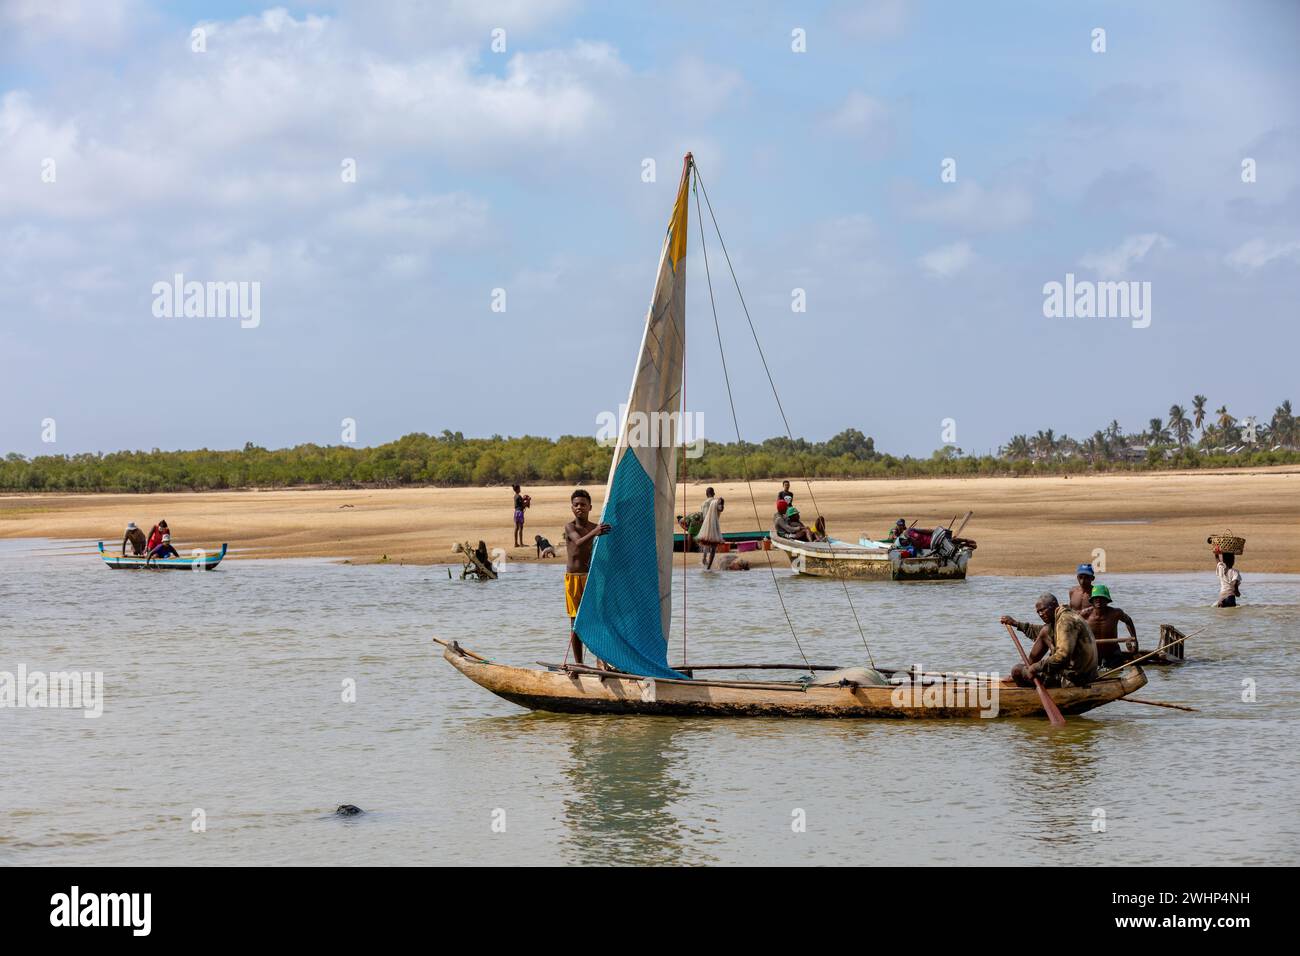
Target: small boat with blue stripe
point(203, 561)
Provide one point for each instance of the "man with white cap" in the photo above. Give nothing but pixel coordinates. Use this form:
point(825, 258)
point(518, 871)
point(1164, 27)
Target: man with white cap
point(163, 550)
point(135, 538)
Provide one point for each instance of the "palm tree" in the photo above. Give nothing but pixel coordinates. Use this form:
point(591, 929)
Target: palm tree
point(1283, 424)
point(1157, 432)
point(1114, 432)
point(1198, 412)
point(1044, 443)
point(1226, 421)
point(1018, 447)
point(1179, 424)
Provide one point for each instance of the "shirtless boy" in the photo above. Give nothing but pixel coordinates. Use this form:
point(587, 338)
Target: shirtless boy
point(1104, 620)
point(579, 538)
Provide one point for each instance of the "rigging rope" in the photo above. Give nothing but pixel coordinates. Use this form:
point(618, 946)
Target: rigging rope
point(704, 248)
point(785, 421)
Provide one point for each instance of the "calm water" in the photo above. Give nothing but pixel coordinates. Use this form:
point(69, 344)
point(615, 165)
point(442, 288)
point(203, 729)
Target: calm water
point(223, 692)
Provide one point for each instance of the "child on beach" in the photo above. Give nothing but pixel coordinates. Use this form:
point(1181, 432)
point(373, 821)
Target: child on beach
point(579, 539)
point(522, 501)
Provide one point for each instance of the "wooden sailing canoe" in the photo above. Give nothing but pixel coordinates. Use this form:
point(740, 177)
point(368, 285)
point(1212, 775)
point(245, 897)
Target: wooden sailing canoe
point(582, 691)
point(122, 562)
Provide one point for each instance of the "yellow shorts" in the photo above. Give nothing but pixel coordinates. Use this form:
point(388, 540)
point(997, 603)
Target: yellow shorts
point(573, 587)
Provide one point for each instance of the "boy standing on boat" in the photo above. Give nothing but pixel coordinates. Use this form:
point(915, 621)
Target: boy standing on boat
point(1081, 594)
point(580, 535)
point(1104, 620)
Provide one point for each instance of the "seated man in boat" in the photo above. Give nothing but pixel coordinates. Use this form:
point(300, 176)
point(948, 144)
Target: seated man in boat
point(136, 539)
point(899, 530)
point(579, 538)
point(163, 549)
point(1081, 593)
point(1064, 652)
point(1104, 620)
point(786, 523)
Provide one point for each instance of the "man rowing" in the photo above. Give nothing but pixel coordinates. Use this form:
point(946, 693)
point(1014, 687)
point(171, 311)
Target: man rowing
point(1081, 593)
point(1104, 620)
point(1064, 653)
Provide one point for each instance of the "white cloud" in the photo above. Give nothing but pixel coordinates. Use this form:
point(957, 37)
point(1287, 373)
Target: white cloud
point(946, 261)
point(968, 205)
point(1116, 262)
point(1257, 253)
point(860, 115)
point(427, 220)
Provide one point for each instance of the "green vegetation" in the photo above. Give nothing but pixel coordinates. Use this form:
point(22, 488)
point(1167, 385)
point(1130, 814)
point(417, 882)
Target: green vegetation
point(453, 459)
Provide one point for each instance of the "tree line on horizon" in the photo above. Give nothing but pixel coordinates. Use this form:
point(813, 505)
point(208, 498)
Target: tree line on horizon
point(451, 459)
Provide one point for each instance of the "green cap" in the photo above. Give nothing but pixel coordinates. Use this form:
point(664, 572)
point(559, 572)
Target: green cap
point(1101, 591)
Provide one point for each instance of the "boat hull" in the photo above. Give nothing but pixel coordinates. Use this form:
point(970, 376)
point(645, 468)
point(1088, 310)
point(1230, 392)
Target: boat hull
point(566, 692)
point(869, 564)
point(118, 562)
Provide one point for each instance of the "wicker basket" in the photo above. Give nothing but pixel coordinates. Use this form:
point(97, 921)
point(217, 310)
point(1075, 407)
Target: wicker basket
point(1227, 543)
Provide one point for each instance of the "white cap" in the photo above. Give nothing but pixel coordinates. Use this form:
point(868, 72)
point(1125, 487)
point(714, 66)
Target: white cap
point(167, 537)
point(130, 526)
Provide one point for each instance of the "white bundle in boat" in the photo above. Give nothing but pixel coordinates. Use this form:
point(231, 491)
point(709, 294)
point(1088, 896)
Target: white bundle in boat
point(862, 676)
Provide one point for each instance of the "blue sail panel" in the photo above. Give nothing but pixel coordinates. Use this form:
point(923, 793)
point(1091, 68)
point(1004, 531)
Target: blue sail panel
point(619, 617)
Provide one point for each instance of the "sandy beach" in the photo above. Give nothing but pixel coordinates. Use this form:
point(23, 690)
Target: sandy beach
point(1148, 522)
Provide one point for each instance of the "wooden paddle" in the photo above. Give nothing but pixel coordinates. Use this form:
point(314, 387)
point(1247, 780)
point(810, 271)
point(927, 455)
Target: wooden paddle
point(1049, 706)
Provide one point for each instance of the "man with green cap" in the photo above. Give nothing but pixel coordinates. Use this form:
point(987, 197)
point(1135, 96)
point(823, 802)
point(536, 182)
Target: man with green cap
point(1104, 620)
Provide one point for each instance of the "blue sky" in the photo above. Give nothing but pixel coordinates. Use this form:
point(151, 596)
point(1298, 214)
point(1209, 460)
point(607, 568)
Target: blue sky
point(522, 170)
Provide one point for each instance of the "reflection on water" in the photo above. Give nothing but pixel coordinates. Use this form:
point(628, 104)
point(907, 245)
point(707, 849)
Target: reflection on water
point(624, 777)
point(224, 692)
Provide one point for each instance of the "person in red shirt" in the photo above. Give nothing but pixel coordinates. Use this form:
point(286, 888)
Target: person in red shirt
point(156, 534)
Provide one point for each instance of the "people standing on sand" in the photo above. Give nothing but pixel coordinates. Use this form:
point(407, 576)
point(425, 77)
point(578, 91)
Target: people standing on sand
point(1229, 579)
point(1104, 620)
point(710, 535)
point(1081, 593)
point(134, 537)
point(579, 538)
point(1064, 652)
point(786, 493)
point(522, 501)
